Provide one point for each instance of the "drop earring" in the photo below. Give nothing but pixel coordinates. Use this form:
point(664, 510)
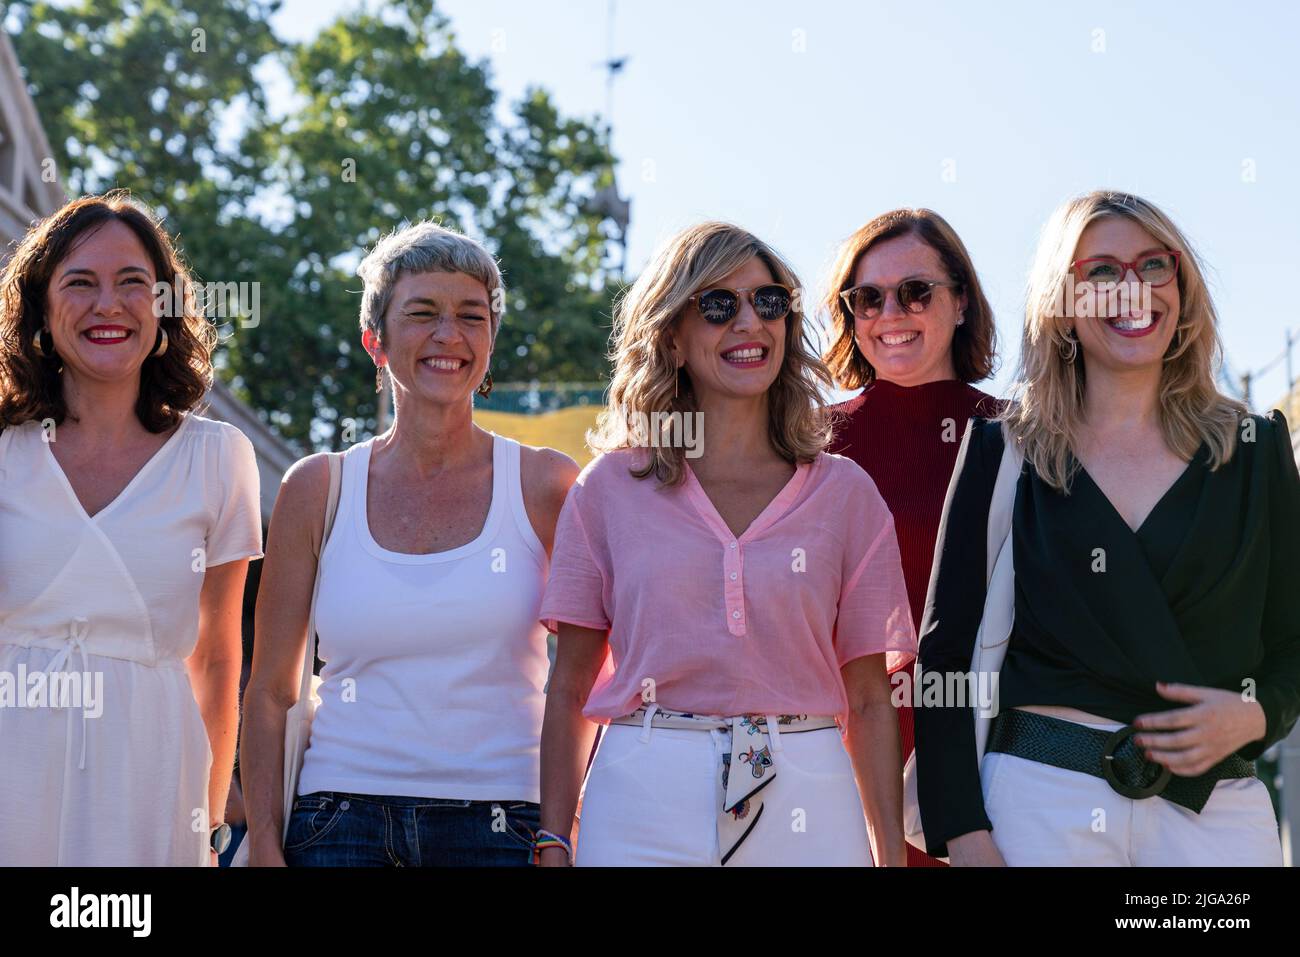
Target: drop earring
point(1070, 349)
point(43, 343)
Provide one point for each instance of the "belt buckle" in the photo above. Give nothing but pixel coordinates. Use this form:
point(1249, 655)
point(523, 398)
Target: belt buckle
point(1136, 792)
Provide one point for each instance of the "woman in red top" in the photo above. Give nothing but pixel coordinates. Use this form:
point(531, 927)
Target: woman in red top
point(913, 330)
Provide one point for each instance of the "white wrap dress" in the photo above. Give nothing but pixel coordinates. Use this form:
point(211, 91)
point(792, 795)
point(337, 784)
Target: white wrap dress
point(120, 780)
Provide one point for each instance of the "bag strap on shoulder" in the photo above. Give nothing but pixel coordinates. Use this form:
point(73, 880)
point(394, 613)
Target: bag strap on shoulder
point(1002, 504)
point(335, 462)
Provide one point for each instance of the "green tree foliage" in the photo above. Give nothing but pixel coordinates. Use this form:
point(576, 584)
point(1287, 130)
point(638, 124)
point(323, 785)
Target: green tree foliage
point(390, 124)
point(130, 95)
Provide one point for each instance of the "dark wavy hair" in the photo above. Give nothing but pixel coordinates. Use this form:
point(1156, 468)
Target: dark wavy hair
point(30, 385)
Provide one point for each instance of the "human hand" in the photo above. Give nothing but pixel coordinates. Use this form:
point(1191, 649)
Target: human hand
point(1191, 740)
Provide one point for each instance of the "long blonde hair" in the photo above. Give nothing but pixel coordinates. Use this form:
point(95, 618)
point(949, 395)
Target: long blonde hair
point(1047, 406)
point(646, 378)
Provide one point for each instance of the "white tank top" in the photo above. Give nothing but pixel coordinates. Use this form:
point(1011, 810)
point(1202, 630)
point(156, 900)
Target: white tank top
point(434, 664)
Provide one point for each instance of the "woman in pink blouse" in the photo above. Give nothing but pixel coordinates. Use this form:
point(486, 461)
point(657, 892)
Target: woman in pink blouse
point(727, 596)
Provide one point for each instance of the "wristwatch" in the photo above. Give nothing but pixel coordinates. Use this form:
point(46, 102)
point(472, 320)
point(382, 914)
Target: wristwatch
point(219, 838)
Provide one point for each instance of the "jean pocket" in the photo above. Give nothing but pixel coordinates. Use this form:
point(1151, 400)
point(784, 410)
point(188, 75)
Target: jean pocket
point(620, 743)
point(1243, 801)
point(816, 754)
point(312, 818)
point(312, 802)
point(522, 819)
point(992, 770)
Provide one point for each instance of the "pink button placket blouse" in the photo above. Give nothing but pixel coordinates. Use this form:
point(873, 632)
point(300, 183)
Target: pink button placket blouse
point(704, 621)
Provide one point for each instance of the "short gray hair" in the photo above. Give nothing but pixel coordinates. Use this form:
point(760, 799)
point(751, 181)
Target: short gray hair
point(420, 248)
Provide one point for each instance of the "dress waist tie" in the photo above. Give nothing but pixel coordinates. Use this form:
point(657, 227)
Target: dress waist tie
point(78, 629)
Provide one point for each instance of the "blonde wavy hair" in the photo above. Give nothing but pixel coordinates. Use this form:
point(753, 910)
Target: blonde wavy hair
point(1047, 398)
point(645, 375)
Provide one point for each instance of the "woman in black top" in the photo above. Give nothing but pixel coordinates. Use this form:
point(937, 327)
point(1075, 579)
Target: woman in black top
point(1156, 544)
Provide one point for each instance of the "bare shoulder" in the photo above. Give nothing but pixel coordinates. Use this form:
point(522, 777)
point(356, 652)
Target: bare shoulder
point(546, 476)
point(308, 479)
point(304, 490)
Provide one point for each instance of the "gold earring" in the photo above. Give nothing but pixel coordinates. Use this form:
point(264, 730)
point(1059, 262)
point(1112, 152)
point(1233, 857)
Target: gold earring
point(1070, 349)
point(485, 387)
point(39, 341)
point(379, 378)
point(160, 346)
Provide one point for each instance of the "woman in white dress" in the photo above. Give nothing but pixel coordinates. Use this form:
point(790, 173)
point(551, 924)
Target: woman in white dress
point(126, 527)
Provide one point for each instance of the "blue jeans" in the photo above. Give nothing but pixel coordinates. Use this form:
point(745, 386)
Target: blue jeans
point(335, 829)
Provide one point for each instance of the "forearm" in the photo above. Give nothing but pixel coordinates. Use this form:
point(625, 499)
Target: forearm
point(947, 774)
point(567, 737)
point(261, 765)
point(216, 691)
point(876, 753)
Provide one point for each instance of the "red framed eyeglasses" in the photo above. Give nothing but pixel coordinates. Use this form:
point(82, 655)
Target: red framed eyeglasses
point(1156, 268)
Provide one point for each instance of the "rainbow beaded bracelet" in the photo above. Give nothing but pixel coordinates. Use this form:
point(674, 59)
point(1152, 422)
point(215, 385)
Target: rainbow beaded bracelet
point(547, 839)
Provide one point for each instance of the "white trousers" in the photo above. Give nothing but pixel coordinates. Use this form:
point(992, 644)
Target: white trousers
point(1045, 816)
point(655, 802)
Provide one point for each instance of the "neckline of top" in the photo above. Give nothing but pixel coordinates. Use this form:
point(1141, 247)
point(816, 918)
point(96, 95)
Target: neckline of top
point(1165, 497)
point(884, 386)
point(765, 519)
point(121, 496)
point(484, 536)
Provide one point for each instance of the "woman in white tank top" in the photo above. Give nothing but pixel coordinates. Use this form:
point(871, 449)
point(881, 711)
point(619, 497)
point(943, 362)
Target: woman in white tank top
point(425, 747)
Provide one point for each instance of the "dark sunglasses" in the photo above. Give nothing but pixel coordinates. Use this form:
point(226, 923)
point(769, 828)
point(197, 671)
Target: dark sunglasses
point(719, 306)
point(1154, 268)
point(913, 295)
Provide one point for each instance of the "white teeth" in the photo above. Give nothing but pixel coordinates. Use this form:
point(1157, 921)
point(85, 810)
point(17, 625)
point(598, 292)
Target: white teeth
point(1129, 325)
point(898, 338)
point(449, 365)
point(740, 355)
point(106, 334)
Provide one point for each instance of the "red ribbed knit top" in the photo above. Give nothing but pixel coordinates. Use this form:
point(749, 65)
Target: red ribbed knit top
point(906, 438)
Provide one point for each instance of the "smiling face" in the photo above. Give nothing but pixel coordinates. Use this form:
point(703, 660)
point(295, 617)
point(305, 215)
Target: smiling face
point(99, 305)
point(739, 359)
point(903, 347)
point(1129, 335)
point(437, 336)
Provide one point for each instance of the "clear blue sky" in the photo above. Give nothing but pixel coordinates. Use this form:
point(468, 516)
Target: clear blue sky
point(802, 121)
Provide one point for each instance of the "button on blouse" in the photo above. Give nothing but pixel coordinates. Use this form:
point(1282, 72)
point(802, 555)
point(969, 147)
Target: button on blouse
point(704, 621)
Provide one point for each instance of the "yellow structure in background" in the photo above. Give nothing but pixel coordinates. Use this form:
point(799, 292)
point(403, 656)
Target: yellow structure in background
point(1290, 406)
point(565, 429)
